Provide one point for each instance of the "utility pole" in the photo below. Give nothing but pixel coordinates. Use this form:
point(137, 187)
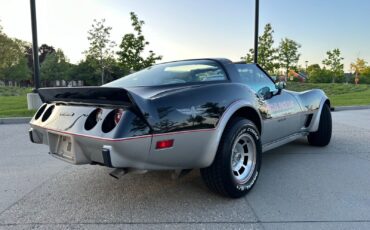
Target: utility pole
point(33, 99)
point(256, 32)
point(35, 47)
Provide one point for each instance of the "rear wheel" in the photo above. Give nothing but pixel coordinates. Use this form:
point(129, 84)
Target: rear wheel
point(236, 166)
point(323, 135)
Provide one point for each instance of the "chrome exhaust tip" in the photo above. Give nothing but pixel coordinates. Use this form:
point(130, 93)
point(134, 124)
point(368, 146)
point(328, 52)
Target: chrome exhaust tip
point(118, 173)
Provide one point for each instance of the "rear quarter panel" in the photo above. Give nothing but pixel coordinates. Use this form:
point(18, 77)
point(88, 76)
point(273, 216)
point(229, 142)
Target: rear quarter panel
point(199, 107)
point(195, 119)
point(312, 102)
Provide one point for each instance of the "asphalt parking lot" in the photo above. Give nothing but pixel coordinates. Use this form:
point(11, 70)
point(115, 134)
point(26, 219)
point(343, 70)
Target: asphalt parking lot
point(300, 187)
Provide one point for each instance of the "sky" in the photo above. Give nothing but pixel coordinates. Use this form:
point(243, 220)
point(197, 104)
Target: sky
point(184, 29)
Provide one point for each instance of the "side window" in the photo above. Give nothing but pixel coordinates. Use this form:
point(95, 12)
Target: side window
point(255, 78)
point(212, 74)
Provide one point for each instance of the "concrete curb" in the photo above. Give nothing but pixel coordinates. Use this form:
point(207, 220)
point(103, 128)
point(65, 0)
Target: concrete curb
point(355, 107)
point(15, 120)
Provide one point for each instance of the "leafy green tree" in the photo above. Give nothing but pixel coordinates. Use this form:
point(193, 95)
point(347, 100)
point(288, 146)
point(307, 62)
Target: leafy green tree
point(54, 67)
point(318, 75)
point(365, 76)
point(85, 70)
point(267, 54)
point(10, 51)
point(44, 50)
point(116, 71)
point(18, 72)
point(312, 68)
point(132, 47)
point(12, 62)
point(100, 52)
point(359, 66)
point(334, 63)
point(289, 54)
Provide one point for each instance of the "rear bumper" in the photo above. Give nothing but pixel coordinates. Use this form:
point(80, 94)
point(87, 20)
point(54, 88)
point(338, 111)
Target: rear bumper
point(192, 149)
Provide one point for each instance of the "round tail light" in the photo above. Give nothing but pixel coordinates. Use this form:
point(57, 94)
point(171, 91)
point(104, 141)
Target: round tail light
point(93, 118)
point(47, 113)
point(118, 115)
point(40, 111)
point(111, 120)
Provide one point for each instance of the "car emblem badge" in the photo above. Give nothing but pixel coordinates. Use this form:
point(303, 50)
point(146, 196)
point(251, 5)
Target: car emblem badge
point(193, 111)
point(66, 114)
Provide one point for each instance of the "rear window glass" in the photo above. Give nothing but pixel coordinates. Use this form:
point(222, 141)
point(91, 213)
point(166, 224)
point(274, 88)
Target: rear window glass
point(181, 72)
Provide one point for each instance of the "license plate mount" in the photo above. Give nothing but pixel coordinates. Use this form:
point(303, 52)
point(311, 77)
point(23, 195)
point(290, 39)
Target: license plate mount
point(64, 148)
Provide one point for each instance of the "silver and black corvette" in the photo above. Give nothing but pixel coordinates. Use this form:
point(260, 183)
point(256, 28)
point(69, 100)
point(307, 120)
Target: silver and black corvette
point(211, 114)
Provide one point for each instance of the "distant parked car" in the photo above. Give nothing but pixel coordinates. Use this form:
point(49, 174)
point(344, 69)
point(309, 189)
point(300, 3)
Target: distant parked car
point(210, 114)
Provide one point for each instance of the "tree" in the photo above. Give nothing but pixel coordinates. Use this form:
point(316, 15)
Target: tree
point(288, 54)
point(267, 54)
point(365, 77)
point(54, 67)
point(318, 75)
point(313, 68)
point(12, 58)
point(116, 71)
point(359, 66)
point(19, 72)
point(10, 51)
point(132, 47)
point(85, 70)
point(101, 47)
point(334, 62)
point(44, 50)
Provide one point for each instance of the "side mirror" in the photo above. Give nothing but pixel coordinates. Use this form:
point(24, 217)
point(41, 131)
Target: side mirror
point(280, 86)
point(264, 93)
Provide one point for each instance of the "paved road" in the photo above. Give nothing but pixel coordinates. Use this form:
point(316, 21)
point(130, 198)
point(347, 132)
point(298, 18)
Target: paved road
point(300, 187)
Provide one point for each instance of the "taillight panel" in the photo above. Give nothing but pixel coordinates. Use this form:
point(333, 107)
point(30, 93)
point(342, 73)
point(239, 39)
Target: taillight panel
point(40, 111)
point(93, 118)
point(47, 113)
point(111, 120)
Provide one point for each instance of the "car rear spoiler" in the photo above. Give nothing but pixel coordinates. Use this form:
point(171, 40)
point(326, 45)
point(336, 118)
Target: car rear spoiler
point(100, 96)
point(86, 95)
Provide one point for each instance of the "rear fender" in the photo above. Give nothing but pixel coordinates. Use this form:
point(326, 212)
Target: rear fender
point(230, 111)
point(312, 103)
point(316, 118)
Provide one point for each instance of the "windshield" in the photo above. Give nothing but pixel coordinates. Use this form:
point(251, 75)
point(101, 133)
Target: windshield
point(181, 72)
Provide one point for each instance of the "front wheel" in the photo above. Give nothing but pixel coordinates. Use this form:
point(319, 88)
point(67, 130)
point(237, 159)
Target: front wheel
point(323, 135)
point(236, 166)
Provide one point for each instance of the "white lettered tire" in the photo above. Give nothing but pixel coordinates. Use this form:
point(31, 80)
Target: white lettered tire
point(236, 166)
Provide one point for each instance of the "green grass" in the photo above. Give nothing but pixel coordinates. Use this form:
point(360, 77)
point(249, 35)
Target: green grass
point(14, 91)
point(13, 102)
point(340, 94)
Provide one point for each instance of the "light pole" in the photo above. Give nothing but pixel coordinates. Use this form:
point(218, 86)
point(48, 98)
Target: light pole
point(35, 47)
point(33, 99)
point(256, 22)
